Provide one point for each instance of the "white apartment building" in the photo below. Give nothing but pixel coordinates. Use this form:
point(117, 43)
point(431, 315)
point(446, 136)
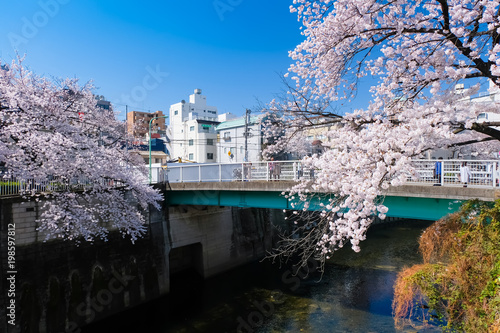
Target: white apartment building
point(487, 98)
point(192, 129)
point(231, 145)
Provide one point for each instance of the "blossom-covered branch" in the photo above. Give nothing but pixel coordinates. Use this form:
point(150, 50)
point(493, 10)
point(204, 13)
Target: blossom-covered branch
point(56, 133)
point(417, 51)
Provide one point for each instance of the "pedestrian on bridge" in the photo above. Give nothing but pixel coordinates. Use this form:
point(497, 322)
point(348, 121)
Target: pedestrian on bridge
point(465, 174)
point(247, 168)
point(271, 168)
point(274, 170)
point(438, 169)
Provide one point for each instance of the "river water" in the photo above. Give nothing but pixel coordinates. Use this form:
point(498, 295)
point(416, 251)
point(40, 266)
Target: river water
point(353, 295)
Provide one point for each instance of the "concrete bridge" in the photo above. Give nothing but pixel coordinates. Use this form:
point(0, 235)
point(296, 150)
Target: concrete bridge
point(254, 185)
point(212, 222)
point(260, 185)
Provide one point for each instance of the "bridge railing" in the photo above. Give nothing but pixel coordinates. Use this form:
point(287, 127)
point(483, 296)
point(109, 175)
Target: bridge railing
point(10, 186)
point(225, 172)
point(483, 173)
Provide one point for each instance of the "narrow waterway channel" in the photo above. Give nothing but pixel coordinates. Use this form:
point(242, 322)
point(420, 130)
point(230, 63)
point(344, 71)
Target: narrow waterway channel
point(354, 295)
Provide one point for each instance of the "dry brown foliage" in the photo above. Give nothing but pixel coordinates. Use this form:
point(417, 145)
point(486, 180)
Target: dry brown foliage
point(458, 285)
point(437, 241)
point(410, 296)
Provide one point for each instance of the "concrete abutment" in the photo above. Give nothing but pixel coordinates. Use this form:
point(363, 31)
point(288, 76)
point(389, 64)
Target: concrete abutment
point(61, 286)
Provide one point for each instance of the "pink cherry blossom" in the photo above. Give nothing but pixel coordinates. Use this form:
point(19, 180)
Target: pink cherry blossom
point(54, 133)
point(417, 51)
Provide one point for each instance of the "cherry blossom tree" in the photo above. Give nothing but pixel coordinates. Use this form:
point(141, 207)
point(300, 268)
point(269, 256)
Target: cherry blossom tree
point(68, 151)
point(416, 52)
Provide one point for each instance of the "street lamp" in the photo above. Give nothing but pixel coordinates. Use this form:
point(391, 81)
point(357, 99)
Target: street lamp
point(150, 143)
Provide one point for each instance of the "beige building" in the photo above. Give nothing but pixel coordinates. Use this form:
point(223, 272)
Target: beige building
point(156, 156)
point(138, 123)
point(316, 135)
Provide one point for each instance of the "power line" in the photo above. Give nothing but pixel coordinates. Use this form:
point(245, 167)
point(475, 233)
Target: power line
point(133, 107)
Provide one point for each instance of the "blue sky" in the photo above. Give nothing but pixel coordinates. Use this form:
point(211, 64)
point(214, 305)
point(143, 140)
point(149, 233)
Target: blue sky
point(152, 54)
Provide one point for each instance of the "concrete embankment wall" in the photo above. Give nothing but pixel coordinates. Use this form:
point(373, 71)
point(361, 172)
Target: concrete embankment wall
point(61, 286)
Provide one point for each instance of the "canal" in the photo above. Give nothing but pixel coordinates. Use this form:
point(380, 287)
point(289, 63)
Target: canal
point(353, 295)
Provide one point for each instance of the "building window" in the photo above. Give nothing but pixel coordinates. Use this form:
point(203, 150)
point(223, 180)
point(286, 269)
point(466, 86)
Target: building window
point(210, 156)
point(191, 128)
point(191, 142)
point(191, 156)
point(227, 136)
point(210, 142)
point(176, 112)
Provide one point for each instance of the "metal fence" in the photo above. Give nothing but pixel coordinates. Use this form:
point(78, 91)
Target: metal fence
point(10, 186)
point(482, 173)
point(225, 172)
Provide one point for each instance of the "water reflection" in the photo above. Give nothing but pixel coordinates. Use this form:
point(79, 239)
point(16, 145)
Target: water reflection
point(353, 295)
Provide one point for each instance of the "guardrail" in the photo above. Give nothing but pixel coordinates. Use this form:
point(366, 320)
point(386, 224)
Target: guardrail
point(224, 172)
point(483, 173)
point(15, 186)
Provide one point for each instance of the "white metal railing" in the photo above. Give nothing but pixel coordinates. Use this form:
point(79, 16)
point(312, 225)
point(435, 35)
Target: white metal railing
point(15, 186)
point(224, 172)
point(483, 173)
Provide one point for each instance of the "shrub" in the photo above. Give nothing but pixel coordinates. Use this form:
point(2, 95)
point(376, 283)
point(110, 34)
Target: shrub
point(458, 285)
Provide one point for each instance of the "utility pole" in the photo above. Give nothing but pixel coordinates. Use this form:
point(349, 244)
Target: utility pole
point(247, 120)
point(126, 127)
point(151, 121)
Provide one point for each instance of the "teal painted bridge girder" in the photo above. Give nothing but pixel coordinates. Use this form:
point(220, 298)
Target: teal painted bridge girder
point(399, 206)
point(421, 208)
